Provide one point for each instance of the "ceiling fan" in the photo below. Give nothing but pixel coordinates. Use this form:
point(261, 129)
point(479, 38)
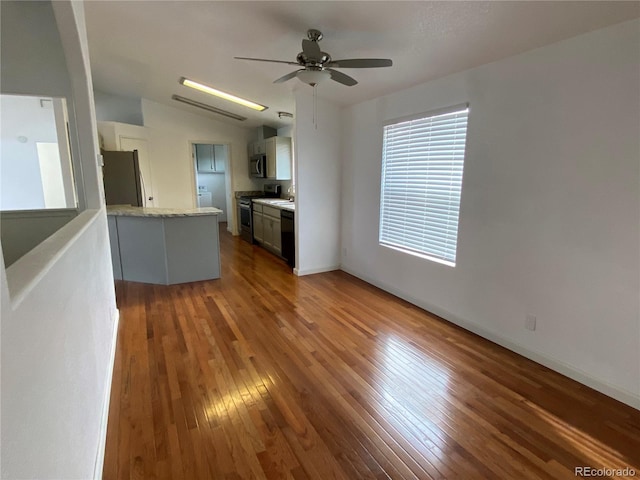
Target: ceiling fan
point(318, 65)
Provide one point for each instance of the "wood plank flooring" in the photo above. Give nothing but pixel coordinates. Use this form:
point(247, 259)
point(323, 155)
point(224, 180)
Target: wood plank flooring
point(265, 375)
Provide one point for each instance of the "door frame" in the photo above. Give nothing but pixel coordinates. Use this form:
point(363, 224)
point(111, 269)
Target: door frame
point(228, 180)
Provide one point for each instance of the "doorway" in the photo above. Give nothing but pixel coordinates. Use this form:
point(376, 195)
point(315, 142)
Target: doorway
point(210, 161)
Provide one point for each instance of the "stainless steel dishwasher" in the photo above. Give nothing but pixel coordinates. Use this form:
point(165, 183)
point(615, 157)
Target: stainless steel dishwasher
point(287, 225)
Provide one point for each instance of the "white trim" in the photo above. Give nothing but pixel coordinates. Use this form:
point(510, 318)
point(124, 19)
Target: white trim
point(418, 254)
point(630, 398)
point(431, 113)
point(312, 271)
point(99, 463)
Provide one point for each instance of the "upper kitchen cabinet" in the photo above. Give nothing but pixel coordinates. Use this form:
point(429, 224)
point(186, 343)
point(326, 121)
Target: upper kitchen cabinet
point(219, 156)
point(209, 158)
point(278, 151)
point(256, 148)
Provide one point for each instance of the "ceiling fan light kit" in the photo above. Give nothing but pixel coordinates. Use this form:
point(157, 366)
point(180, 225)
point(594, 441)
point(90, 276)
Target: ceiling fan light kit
point(220, 94)
point(318, 65)
point(313, 77)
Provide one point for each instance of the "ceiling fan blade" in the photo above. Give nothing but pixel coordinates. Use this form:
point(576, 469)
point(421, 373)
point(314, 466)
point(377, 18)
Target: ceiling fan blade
point(360, 63)
point(311, 50)
point(266, 60)
point(286, 77)
point(342, 78)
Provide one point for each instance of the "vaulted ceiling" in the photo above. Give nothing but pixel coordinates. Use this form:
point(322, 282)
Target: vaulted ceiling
point(141, 49)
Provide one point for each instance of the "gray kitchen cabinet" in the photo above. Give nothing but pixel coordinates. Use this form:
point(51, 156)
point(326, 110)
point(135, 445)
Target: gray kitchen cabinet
point(219, 156)
point(206, 155)
point(152, 246)
point(271, 231)
point(256, 148)
point(259, 147)
point(278, 152)
point(115, 248)
point(276, 235)
point(258, 223)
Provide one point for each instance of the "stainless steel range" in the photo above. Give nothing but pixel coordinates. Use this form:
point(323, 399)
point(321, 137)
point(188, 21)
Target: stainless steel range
point(245, 213)
point(244, 216)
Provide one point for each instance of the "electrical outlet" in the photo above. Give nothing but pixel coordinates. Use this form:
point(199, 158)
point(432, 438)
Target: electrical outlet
point(530, 322)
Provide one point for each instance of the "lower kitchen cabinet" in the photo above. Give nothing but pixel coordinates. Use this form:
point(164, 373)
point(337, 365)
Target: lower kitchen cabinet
point(258, 224)
point(266, 227)
point(271, 229)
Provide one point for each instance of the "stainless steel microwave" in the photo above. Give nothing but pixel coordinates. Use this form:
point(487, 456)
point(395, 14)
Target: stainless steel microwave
point(258, 166)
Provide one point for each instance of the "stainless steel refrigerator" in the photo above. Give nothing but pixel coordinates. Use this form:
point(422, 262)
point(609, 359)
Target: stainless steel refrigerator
point(122, 178)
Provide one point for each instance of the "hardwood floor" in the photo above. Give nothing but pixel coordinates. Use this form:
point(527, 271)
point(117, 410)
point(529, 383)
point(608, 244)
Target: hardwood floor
point(265, 375)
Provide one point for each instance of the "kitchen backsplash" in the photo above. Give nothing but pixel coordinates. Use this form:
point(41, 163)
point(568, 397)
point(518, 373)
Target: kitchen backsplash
point(248, 193)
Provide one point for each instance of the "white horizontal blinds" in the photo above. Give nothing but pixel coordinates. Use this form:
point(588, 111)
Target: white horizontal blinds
point(421, 184)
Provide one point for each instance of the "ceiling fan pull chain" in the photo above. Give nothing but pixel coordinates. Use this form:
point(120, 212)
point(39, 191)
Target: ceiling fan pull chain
point(315, 106)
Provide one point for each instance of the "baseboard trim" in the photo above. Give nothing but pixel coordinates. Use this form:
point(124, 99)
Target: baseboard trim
point(312, 271)
point(99, 464)
point(622, 395)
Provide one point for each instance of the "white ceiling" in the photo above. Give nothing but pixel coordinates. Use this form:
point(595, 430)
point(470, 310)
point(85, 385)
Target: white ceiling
point(141, 49)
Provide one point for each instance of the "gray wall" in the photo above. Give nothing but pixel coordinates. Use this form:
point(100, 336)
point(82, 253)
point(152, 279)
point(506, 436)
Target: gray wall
point(32, 51)
point(24, 229)
point(33, 62)
point(114, 108)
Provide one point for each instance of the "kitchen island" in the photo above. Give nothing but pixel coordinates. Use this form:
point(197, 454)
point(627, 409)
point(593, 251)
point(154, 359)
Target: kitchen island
point(164, 245)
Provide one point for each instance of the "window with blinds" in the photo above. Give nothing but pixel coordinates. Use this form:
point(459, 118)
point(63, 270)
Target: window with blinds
point(422, 163)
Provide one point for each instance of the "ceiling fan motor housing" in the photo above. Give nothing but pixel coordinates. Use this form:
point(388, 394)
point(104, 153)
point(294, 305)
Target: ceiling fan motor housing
point(314, 35)
point(305, 61)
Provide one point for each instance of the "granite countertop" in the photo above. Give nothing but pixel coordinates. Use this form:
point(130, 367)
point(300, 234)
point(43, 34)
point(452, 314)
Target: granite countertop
point(279, 203)
point(129, 211)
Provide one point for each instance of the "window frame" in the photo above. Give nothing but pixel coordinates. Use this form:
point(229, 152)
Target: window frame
point(422, 116)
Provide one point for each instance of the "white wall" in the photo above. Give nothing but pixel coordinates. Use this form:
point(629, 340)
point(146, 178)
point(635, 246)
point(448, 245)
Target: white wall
point(56, 348)
point(24, 123)
point(58, 311)
point(317, 152)
point(171, 131)
point(35, 170)
point(549, 220)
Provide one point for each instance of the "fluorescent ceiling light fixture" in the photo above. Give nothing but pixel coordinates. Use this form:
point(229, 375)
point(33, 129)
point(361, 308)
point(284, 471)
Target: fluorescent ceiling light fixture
point(227, 96)
point(204, 106)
